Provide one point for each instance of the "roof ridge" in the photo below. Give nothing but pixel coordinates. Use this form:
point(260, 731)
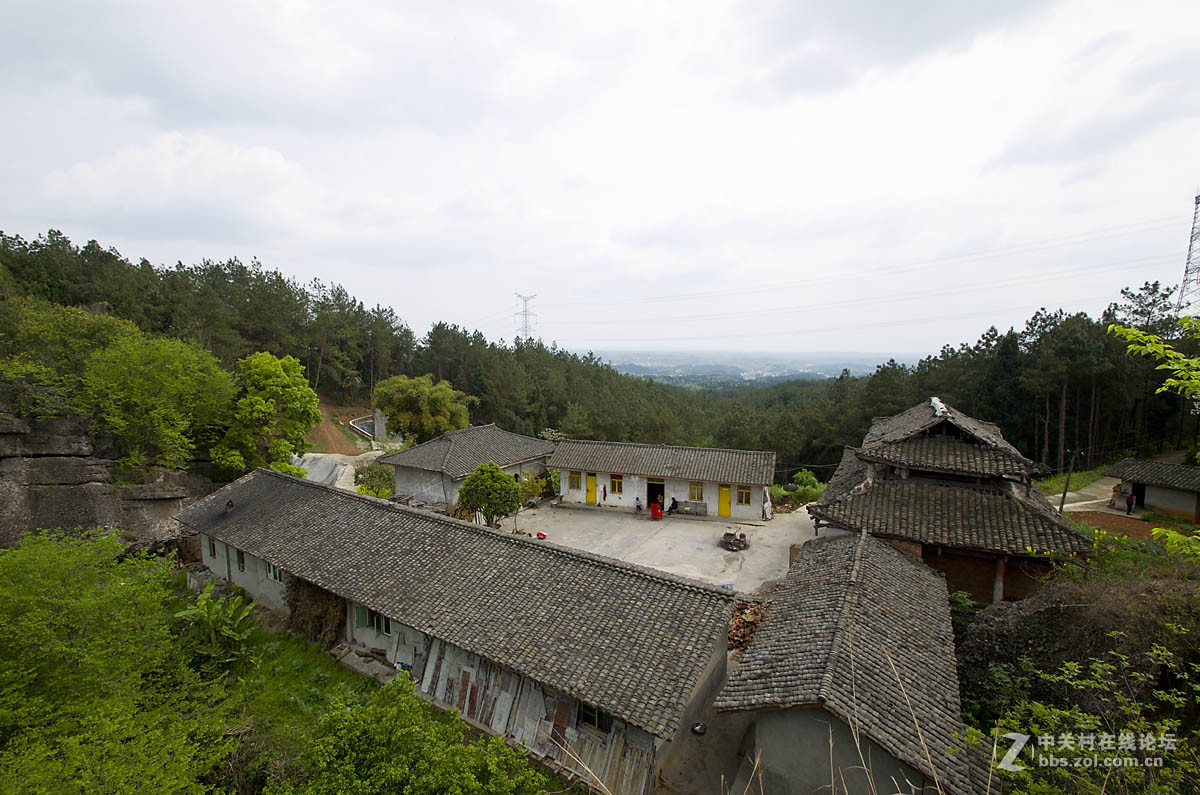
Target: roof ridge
point(672, 446)
point(612, 563)
point(849, 599)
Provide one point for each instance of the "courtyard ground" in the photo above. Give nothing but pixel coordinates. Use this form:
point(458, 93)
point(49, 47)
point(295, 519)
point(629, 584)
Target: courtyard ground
point(684, 546)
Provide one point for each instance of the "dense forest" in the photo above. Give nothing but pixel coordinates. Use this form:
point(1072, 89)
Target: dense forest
point(1059, 384)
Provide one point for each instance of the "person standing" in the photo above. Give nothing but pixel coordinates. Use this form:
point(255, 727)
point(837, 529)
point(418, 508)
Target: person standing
point(637, 504)
point(1129, 504)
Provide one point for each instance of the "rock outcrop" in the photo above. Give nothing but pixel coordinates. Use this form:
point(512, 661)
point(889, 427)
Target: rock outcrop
point(53, 474)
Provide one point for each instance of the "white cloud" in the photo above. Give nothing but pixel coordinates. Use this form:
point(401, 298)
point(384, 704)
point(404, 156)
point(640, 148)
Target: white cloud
point(767, 165)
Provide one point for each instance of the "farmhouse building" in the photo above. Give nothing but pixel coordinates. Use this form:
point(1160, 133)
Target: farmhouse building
point(1174, 488)
point(950, 490)
point(851, 678)
point(705, 480)
point(434, 471)
point(541, 644)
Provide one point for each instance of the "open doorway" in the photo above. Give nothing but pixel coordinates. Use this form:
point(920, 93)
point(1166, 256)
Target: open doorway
point(656, 489)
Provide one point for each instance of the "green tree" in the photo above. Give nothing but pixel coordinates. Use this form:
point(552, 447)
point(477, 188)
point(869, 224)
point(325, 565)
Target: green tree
point(490, 491)
point(396, 743)
point(420, 408)
point(95, 692)
point(375, 479)
point(159, 398)
point(274, 411)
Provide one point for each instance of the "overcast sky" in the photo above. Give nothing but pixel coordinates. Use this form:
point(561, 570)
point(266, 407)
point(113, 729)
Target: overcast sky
point(758, 176)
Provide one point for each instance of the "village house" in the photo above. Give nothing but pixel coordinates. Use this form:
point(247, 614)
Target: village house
point(434, 471)
point(544, 645)
point(1174, 488)
point(950, 490)
point(851, 679)
point(706, 481)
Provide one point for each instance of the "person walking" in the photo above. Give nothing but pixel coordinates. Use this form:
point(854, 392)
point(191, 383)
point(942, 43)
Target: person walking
point(1129, 504)
point(637, 504)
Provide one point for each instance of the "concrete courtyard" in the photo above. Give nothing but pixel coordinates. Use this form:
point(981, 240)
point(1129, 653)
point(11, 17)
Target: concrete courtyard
point(684, 546)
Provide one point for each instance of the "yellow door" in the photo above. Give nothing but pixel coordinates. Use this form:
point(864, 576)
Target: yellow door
point(723, 500)
point(591, 488)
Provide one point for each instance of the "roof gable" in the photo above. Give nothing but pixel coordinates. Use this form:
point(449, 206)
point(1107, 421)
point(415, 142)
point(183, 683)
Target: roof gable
point(711, 464)
point(927, 415)
point(863, 630)
point(458, 453)
point(630, 640)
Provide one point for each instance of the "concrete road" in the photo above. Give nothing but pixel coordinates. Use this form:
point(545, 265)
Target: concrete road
point(333, 469)
point(683, 546)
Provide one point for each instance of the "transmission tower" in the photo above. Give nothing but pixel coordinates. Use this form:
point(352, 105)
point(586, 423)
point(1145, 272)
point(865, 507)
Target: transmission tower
point(1191, 274)
point(525, 316)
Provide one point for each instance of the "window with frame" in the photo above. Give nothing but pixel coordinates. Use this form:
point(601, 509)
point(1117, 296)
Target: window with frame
point(615, 483)
point(573, 482)
point(593, 717)
point(696, 492)
point(364, 617)
point(381, 623)
point(743, 495)
point(275, 573)
point(241, 559)
point(212, 548)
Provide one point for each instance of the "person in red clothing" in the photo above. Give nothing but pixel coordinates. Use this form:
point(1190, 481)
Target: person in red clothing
point(1129, 504)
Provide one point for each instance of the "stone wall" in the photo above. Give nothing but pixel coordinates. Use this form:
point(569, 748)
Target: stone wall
point(53, 474)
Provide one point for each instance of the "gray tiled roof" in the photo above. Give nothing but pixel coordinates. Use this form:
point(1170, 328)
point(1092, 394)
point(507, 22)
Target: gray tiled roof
point(458, 453)
point(928, 414)
point(850, 473)
point(630, 640)
point(941, 453)
point(845, 607)
point(933, 512)
point(711, 464)
point(1157, 473)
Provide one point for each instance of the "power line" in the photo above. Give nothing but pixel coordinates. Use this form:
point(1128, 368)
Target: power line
point(525, 331)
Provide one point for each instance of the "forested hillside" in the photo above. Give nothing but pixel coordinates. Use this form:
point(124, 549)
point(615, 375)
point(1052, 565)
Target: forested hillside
point(1058, 384)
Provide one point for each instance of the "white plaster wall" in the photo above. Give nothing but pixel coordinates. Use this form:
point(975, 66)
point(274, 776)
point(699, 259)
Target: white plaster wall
point(253, 578)
point(424, 485)
point(635, 486)
point(1173, 501)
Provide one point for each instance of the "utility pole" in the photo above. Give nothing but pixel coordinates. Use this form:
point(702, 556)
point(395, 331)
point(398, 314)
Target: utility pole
point(525, 330)
point(1191, 273)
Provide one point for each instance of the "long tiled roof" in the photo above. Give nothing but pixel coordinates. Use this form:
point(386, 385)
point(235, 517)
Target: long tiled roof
point(630, 640)
point(715, 465)
point(1157, 473)
point(941, 453)
point(1001, 520)
point(847, 605)
point(457, 453)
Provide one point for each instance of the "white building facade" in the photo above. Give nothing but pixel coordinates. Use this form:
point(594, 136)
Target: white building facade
point(726, 483)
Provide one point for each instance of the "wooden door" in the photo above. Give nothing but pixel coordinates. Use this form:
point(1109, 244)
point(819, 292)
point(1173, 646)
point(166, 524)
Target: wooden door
point(723, 499)
point(591, 488)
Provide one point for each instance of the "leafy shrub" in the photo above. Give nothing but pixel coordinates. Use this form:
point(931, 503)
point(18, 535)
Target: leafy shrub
point(375, 479)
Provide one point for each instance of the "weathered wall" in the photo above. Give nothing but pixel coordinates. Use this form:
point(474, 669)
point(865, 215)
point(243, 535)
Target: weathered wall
point(797, 756)
point(1185, 504)
point(55, 475)
point(249, 572)
point(976, 575)
point(424, 485)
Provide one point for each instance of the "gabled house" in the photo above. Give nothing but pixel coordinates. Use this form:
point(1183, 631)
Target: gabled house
point(851, 679)
point(706, 480)
point(544, 645)
point(953, 492)
point(434, 471)
point(1174, 488)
